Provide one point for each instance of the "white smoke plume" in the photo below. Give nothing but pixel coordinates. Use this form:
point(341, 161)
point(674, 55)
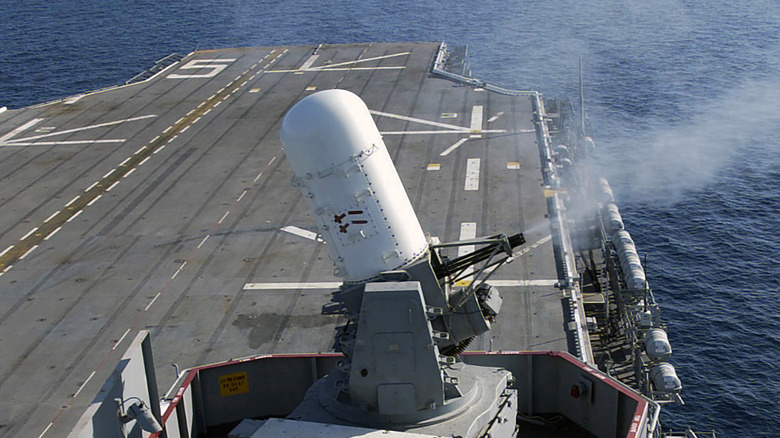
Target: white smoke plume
point(667, 162)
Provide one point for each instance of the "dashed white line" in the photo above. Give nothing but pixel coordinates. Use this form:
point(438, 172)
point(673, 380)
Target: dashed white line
point(83, 385)
point(29, 233)
point(472, 174)
point(49, 218)
point(242, 195)
point(223, 217)
point(179, 270)
point(72, 201)
point(144, 160)
point(28, 252)
point(148, 306)
point(76, 215)
point(201, 242)
point(112, 186)
point(128, 173)
point(257, 177)
point(140, 150)
point(46, 430)
point(92, 186)
point(94, 200)
point(468, 230)
point(121, 339)
point(124, 161)
point(6, 250)
point(476, 117)
point(53, 233)
point(109, 173)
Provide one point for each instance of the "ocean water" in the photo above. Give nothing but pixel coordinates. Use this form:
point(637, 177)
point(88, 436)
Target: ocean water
point(682, 99)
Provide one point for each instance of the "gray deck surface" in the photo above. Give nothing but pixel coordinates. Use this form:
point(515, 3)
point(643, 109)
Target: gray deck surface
point(189, 243)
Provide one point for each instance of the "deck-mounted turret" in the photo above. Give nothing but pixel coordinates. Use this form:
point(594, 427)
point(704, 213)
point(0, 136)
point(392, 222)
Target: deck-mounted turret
point(405, 316)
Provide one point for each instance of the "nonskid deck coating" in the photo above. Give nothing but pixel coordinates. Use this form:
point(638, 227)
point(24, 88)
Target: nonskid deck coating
point(166, 205)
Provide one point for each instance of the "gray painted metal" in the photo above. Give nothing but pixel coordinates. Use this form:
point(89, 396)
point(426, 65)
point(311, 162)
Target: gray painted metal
point(153, 205)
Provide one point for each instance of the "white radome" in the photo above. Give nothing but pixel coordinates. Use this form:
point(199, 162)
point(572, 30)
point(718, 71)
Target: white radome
point(350, 183)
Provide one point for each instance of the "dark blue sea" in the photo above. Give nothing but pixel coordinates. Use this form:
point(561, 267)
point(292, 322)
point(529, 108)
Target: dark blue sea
point(682, 99)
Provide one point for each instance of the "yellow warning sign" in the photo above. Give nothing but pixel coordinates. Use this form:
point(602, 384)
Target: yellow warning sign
point(232, 384)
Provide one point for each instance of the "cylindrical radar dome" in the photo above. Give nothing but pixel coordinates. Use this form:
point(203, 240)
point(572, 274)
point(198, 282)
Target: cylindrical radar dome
point(350, 183)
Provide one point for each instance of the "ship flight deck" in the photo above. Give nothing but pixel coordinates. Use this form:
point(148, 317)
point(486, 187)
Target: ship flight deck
point(166, 205)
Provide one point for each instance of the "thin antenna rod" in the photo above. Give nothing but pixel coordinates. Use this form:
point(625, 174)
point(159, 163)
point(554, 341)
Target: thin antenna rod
point(582, 101)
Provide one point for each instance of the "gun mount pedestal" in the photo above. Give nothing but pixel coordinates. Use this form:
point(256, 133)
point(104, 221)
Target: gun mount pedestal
point(396, 379)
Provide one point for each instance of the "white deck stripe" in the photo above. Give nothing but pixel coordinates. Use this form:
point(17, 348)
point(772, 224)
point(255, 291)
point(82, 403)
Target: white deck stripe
point(468, 230)
point(306, 234)
point(376, 58)
point(121, 339)
point(422, 121)
point(460, 131)
point(472, 174)
point(83, 385)
point(494, 118)
point(453, 147)
point(319, 69)
point(309, 62)
point(20, 129)
point(6, 250)
point(476, 117)
point(510, 283)
point(30, 232)
point(100, 125)
point(64, 142)
point(289, 286)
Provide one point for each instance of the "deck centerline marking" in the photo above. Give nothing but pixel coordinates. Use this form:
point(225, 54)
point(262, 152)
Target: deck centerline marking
point(121, 339)
point(83, 385)
point(468, 230)
point(476, 117)
point(472, 174)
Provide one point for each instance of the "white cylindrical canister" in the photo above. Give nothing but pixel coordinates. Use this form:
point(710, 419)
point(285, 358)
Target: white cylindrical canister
point(350, 183)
